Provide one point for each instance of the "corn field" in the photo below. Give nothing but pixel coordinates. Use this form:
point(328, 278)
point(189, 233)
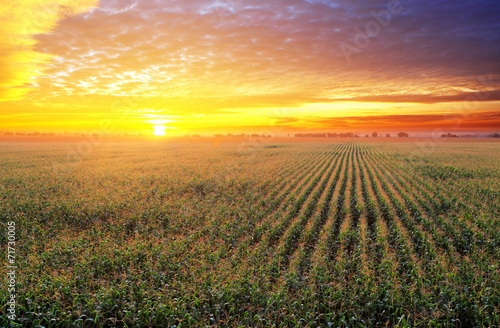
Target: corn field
point(341, 234)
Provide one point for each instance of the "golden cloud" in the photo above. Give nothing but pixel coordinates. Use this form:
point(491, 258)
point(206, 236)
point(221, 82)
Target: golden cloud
point(21, 21)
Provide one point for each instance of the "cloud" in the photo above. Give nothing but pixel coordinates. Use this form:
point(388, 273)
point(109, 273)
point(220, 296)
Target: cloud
point(21, 21)
point(217, 56)
point(286, 120)
point(476, 121)
point(490, 95)
point(213, 49)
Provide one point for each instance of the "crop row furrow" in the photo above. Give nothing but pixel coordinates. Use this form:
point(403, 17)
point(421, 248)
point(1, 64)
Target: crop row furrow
point(278, 231)
point(420, 242)
point(246, 223)
point(463, 237)
point(374, 249)
point(333, 242)
point(294, 234)
point(281, 194)
point(273, 212)
point(406, 266)
point(448, 199)
point(277, 223)
point(312, 236)
point(440, 230)
point(355, 210)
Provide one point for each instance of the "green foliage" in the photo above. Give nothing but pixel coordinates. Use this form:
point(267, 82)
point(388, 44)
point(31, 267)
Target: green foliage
point(287, 235)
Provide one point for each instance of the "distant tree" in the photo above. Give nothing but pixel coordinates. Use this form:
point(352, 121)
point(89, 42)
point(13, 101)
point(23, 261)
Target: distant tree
point(374, 134)
point(403, 135)
point(387, 135)
point(494, 135)
point(367, 136)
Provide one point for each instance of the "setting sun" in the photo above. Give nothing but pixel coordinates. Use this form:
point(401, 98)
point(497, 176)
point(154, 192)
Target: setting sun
point(159, 130)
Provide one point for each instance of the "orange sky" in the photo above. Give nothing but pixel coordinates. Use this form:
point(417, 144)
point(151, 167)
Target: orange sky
point(177, 67)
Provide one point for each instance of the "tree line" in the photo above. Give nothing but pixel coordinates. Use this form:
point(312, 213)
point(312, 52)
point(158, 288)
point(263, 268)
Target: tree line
point(345, 135)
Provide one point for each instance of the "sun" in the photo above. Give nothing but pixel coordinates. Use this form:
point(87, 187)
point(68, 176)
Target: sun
point(159, 130)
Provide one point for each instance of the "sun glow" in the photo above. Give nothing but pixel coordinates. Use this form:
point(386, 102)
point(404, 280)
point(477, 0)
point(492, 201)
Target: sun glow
point(159, 130)
point(160, 121)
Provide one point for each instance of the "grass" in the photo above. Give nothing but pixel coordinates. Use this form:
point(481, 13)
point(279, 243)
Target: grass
point(346, 234)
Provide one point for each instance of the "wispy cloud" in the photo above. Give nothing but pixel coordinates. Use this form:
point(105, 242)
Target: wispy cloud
point(20, 64)
point(221, 57)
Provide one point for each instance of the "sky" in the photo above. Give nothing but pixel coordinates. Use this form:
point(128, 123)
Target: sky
point(251, 66)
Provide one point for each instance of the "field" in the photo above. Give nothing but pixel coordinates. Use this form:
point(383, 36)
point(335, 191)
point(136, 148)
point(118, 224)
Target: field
point(345, 233)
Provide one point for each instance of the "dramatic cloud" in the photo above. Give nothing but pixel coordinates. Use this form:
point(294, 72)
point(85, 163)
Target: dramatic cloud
point(21, 20)
point(196, 59)
point(471, 122)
